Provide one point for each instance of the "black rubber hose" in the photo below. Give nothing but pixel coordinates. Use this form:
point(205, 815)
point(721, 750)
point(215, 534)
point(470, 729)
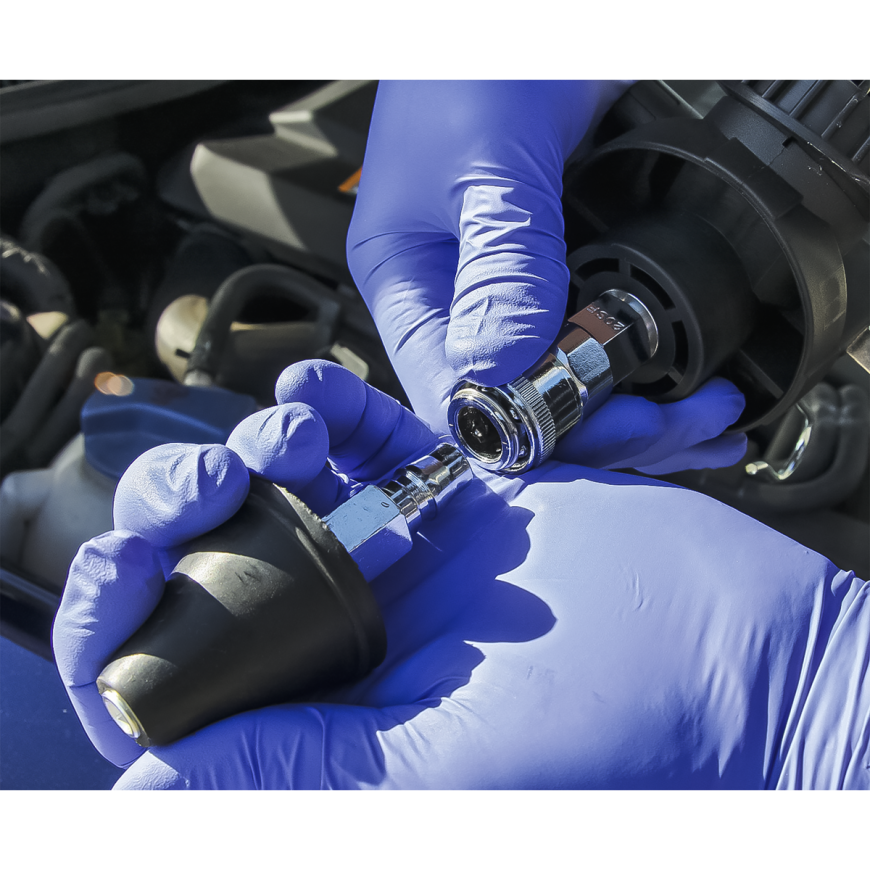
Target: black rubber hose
point(834, 484)
point(32, 282)
point(21, 349)
point(202, 262)
point(42, 391)
point(65, 418)
point(95, 187)
point(235, 293)
point(67, 190)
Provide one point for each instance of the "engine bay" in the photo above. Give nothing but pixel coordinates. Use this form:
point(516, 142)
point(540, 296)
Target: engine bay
point(168, 247)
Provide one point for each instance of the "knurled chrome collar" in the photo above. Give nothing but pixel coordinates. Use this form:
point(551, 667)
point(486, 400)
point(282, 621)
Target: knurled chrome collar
point(539, 423)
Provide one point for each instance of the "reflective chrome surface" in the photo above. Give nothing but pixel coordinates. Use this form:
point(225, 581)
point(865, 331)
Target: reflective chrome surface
point(375, 525)
point(785, 469)
point(513, 428)
point(124, 717)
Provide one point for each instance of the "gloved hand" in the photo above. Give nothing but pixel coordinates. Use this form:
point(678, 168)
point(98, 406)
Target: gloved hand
point(457, 246)
point(569, 629)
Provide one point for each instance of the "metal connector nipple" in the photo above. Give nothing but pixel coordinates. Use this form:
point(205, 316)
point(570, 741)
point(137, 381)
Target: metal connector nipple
point(375, 525)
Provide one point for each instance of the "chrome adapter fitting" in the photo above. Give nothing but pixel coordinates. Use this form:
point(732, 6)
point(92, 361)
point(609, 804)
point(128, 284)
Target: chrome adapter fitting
point(515, 427)
point(375, 525)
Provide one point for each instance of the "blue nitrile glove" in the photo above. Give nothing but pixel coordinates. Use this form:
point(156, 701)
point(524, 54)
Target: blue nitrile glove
point(457, 246)
point(567, 629)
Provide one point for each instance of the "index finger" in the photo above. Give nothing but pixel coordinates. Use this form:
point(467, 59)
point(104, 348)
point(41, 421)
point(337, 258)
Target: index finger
point(370, 433)
point(407, 280)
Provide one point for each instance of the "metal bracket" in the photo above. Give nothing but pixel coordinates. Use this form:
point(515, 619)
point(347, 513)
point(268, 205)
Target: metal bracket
point(788, 467)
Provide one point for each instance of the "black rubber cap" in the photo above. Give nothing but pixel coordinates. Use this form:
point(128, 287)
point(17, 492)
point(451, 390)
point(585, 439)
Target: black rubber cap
point(266, 609)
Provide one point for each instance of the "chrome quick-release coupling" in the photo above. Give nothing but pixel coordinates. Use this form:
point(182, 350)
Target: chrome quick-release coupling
point(515, 427)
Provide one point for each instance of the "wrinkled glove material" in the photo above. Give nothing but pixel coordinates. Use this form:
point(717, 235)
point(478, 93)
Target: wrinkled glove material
point(457, 245)
point(570, 629)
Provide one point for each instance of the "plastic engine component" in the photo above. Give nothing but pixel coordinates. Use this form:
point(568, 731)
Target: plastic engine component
point(293, 190)
point(145, 412)
point(744, 232)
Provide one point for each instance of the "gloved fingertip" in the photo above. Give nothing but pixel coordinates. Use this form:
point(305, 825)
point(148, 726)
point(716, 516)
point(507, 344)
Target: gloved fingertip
point(301, 375)
point(731, 448)
point(724, 400)
point(174, 492)
point(287, 444)
point(334, 391)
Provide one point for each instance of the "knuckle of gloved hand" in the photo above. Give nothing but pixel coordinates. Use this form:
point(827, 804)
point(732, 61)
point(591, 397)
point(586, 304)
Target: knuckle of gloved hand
point(174, 492)
point(96, 565)
point(499, 330)
point(287, 444)
point(106, 556)
point(337, 394)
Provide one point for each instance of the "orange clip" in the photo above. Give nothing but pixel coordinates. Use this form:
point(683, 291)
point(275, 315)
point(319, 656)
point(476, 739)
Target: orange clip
point(350, 184)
